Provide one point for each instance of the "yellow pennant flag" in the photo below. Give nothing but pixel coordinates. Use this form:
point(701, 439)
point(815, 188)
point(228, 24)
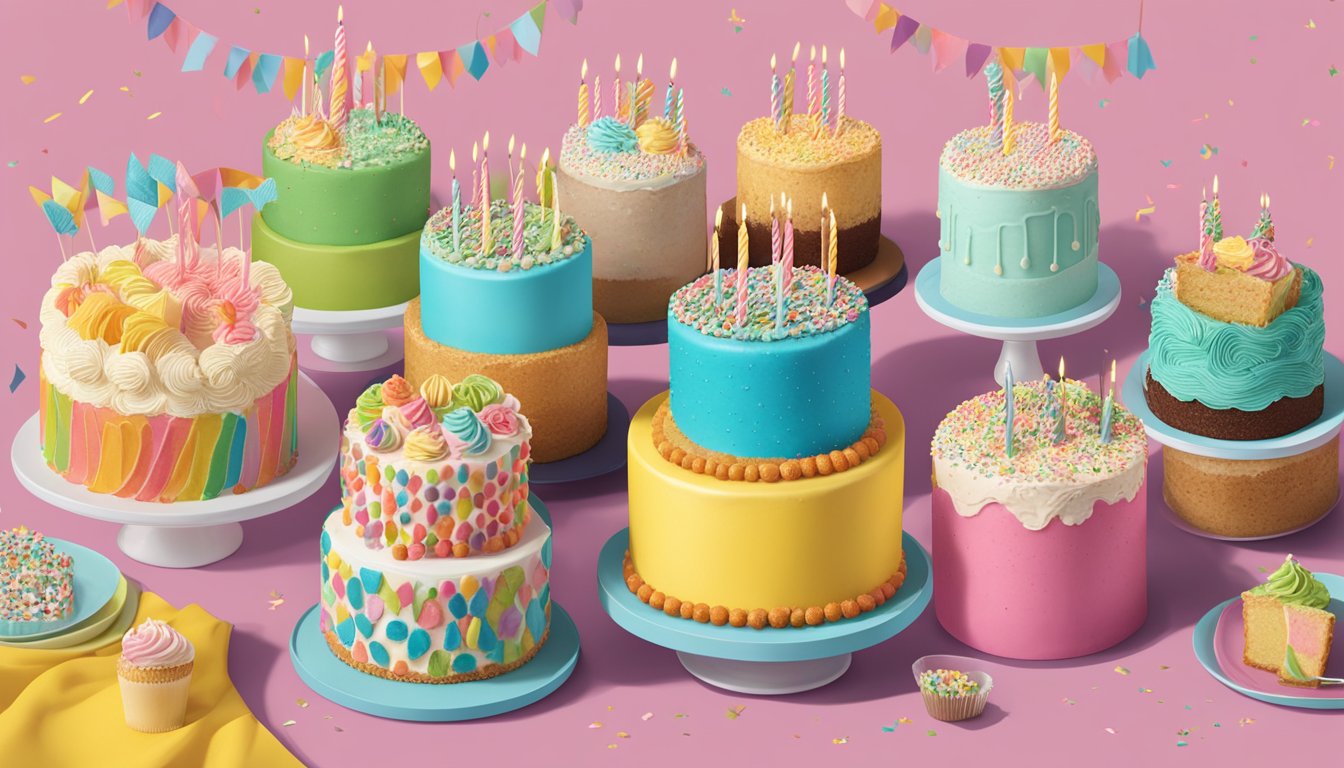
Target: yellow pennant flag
point(364, 61)
point(1059, 62)
point(1012, 58)
point(1096, 52)
point(165, 194)
point(294, 67)
point(109, 207)
point(70, 198)
point(394, 71)
point(886, 18)
point(431, 67)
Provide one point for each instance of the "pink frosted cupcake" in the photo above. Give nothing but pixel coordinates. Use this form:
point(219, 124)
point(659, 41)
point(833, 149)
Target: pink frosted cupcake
point(155, 674)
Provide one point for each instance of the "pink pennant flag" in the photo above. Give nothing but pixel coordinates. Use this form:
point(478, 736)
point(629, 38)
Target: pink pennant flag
point(173, 34)
point(504, 46)
point(1084, 64)
point(946, 49)
point(244, 75)
point(976, 55)
point(138, 9)
point(453, 66)
point(1117, 55)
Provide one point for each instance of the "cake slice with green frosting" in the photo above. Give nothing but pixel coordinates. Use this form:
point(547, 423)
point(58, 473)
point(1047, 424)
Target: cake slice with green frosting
point(1288, 631)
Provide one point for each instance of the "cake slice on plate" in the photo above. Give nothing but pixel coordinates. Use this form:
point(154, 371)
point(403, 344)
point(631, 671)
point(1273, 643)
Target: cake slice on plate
point(1310, 631)
point(1288, 630)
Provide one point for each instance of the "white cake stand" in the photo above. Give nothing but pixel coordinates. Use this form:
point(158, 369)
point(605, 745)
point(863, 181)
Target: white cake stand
point(188, 534)
point(1019, 335)
point(347, 341)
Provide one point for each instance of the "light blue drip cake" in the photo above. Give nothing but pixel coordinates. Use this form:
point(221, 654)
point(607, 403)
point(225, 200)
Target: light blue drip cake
point(1018, 231)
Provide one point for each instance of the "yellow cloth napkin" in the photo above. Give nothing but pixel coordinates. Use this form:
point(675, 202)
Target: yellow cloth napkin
point(63, 708)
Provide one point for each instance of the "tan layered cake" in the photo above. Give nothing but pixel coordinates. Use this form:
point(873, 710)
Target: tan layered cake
point(1288, 629)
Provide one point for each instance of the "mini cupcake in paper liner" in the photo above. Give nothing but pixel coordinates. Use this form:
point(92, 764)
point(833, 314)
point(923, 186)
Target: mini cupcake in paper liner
point(155, 675)
point(950, 692)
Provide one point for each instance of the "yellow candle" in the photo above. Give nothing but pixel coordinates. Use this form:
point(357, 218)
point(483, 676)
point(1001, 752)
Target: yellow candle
point(584, 114)
point(833, 238)
point(555, 214)
point(1010, 92)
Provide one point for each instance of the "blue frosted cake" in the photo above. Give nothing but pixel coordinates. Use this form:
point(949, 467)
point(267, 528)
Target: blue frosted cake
point(519, 311)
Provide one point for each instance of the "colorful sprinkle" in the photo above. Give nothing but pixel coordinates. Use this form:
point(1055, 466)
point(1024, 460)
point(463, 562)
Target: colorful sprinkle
point(577, 158)
point(808, 312)
point(948, 683)
point(800, 147)
point(537, 228)
point(39, 581)
point(1034, 163)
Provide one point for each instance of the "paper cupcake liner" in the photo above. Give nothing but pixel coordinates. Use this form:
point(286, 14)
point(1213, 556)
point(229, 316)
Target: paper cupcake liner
point(953, 708)
point(155, 706)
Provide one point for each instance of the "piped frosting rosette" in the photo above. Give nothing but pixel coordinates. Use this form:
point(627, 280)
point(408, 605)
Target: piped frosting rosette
point(439, 472)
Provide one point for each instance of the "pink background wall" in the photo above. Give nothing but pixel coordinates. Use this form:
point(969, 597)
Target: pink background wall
point(1250, 79)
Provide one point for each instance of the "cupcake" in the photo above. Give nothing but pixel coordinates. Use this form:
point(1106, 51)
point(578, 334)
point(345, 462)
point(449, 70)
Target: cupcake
point(949, 694)
point(155, 674)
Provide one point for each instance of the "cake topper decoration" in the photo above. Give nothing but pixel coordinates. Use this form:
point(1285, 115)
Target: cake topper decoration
point(1257, 256)
point(632, 127)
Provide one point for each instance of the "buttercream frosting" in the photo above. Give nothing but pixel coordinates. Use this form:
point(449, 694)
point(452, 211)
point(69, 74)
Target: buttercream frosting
point(154, 644)
point(625, 171)
point(1293, 584)
point(1036, 162)
point(808, 311)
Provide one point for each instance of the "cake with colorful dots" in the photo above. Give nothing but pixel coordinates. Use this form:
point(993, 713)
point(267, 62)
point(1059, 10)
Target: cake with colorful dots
point(353, 180)
point(765, 490)
point(804, 151)
point(36, 583)
point(435, 569)
point(1236, 352)
point(1018, 214)
point(168, 372)
point(1289, 630)
point(1040, 521)
point(506, 291)
point(636, 182)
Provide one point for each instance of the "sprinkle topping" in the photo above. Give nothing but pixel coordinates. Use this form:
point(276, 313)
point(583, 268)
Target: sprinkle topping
point(1034, 163)
point(537, 231)
point(807, 312)
point(36, 582)
point(798, 148)
point(948, 683)
point(365, 144)
point(579, 157)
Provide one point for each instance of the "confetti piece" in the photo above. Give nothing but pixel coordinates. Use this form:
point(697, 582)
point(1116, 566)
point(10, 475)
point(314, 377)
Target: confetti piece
point(1330, 167)
point(1111, 731)
point(840, 740)
point(890, 728)
point(124, 89)
point(86, 96)
point(726, 92)
point(1173, 186)
point(1149, 210)
point(611, 746)
point(1122, 670)
point(1310, 240)
point(12, 163)
point(19, 323)
point(1253, 61)
point(1102, 104)
point(1165, 163)
point(594, 724)
point(1230, 103)
point(646, 716)
point(904, 720)
point(1245, 721)
point(622, 735)
point(932, 732)
point(1183, 732)
point(1334, 71)
point(136, 72)
point(1183, 743)
point(1068, 701)
point(1311, 24)
point(326, 717)
point(338, 729)
point(1145, 690)
point(1310, 121)
point(735, 712)
point(1208, 151)
point(302, 703)
point(1217, 725)
point(1163, 666)
point(52, 117)
point(680, 715)
point(287, 723)
point(735, 20)
point(18, 378)
point(153, 115)
point(1187, 706)
point(276, 600)
point(28, 79)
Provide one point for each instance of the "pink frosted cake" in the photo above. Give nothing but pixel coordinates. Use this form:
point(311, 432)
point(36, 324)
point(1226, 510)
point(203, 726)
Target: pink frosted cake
point(1040, 552)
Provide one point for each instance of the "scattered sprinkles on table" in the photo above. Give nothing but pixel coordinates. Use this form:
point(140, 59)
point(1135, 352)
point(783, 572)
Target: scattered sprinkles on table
point(972, 436)
point(578, 156)
point(1034, 163)
point(37, 581)
point(800, 147)
point(808, 312)
point(537, 231)
point(948, 683)
point(364, 144)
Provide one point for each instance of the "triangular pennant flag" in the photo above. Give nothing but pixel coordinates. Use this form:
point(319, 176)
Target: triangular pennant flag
point(198, 51)
point(265, 72)
point(173, 34)
point(230, 200)
point(886, 18)
point(1035, 62)
point(113, 4)
point(568, 10)
point(527, 33)
point(1012, 58)
point(1140, 56)
point(431, 68)
point(263, 194)
point(137, 9)
point(101, 181)
point(946, 49)
point(923, 38)
point(164, 171)
point(489, 44)
point(322, 64)
point(474, 59)
point(208, 183)
point(976, 56)
point(1059, 62)
point(1115, 62)
point(504, 46)
point(904, 30)
point(862, 8)
point(293, 77)
point(538, 14)
point(245, 71)
point(1096, 52)
point(394, 72)
point(159, 19)
point(452, 66)
point(109, 207)
point(1085, 64)
point(142, 194)
point(232, 177)
point(237, 57)
point(60, 219)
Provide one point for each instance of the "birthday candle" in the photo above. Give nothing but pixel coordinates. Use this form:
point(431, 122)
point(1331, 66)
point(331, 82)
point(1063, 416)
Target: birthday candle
point(1061, 425)
point(788, 247)
point(583, 95)
point(475, 175)
point(1107, 409)
point(786, 111)
point(742, 264)
point(994, 79)
point(543, 176)
point(774, 93)
point(643, 94)
point(1216, 216)
point(555, 214)
point(776, 243)
point(671, 83)
point(840, 109)
point(487, 242)
point(597, 96)
point(823, 241)
point(714, 254)
point(1008, 414)
point(519, 205)
point(832, 234)
point(1265, 226)
point(617, 107)
point(1009, 88)
point(380, 92)
point(683, 141)
point(337, 109)
point(357, 86)
point(825, 93)
point(1203, 215)
point(303, 84)
point(1054, 108)
point(812, 104)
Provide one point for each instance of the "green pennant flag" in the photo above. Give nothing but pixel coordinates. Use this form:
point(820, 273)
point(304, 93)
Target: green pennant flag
point(1035, 62)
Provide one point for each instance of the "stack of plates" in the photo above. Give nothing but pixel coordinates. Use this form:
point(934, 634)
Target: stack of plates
point(105, 606)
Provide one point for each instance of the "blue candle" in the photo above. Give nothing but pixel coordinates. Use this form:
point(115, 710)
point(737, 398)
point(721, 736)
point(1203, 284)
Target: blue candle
point(457, 205)
point(1108, 409)
point(1008, 414)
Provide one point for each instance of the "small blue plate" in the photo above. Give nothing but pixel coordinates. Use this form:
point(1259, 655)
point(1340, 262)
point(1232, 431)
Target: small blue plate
point(96, 580)
point(740, 644)
point(1248, 681)
point(605, 457)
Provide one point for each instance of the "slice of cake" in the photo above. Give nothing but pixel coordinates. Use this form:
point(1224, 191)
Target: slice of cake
point(1251, 283)
point(1288, 612)
point(36, 583)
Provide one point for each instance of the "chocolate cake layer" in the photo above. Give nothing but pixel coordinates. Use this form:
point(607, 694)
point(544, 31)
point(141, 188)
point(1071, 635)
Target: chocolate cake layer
point(1283, 416)
point(856, 246)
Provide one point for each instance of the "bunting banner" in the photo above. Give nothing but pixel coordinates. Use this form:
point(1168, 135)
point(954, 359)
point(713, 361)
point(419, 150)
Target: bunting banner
point(1131, 55)
point(262, 71)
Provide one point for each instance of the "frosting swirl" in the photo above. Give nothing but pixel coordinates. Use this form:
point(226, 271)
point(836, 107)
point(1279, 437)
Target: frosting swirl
point(369, 405)
point(437, 391)
point(417, 412)
point(155, 644)
point(501, 420)
point(657, 137)
point(464, 425)
point(1234, 253)
point(426, 444)
point(383, 436)
point(475, 392)
point(397, 391)
point(1268, 263)
point(607, 134)
point(1295, 585)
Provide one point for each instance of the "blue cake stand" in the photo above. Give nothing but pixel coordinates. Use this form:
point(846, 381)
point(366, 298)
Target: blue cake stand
point(1018, 334)
point(333, 679)
point(880, 281)
point(605, 457)
point(770, 661)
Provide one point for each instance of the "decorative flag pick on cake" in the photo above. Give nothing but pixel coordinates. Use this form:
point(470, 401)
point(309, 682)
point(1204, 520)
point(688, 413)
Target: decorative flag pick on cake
point(188, 248)
point(63, 208)
point(743, 262)
point(487, 243)
point(840, 101)
point(1008, 414)
point(994, 79)
point(671, 86)
point(337, 110)
point(1054, 108)
point(714, 257)
point(1108, 408)
point(585, 115)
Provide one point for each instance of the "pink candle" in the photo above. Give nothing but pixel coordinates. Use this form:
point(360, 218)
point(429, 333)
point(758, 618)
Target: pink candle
point(597, 96)
point(519, 204)
point(776, 244)
point(475, 175)
point(787, 260)
point(812, 81)
point(339, 76)
point(487, 244)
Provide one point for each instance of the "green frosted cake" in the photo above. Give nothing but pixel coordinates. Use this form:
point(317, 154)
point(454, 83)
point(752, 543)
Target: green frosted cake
point(345, 231)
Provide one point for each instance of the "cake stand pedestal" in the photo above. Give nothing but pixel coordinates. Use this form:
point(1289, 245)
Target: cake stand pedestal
point(767, 662)
point(348, 340)
point(607, 456)
point(1019, 335)
point(188, 534)
point(337, 681)
point(1314, 435)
